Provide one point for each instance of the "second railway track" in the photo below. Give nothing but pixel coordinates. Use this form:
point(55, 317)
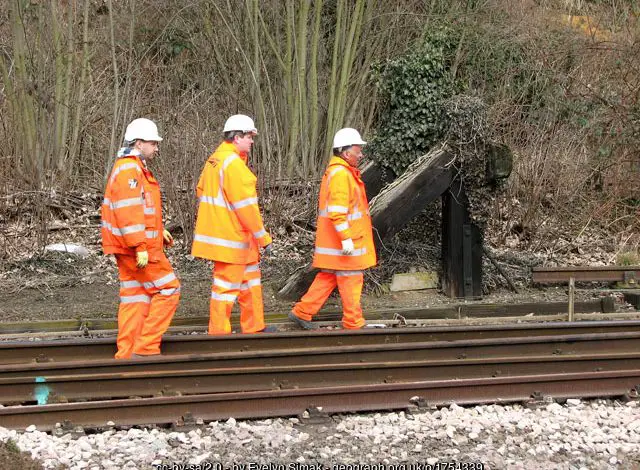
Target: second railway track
point(13, 352)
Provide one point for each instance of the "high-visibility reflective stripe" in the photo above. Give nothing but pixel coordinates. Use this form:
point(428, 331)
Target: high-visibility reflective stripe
point(260, 233)
point(244, 203)
point(129, 284)
point(226, 284)
point(220, 242)
point(338, 209)
point(151, 233)
point(336, 252)
point(106, 202)
point(249, 284)
point(126, 166)
point(161, 282)
point(342, 227)
point(131, 229)
point(347, 273)
point(223, 297)
point(208, 200)
point(354, 216)
point(150, 210)
point(123, 231)
point(132, 299)
point(252, 268)
point(338, 272)
point(134, 201)
point(175, 290)
point(228, 161)
point(215, 201)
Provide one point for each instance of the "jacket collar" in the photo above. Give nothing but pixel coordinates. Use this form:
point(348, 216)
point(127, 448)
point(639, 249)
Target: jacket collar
point(338, 161)
point(342, 162)
point(130, 152)
point(227, 148)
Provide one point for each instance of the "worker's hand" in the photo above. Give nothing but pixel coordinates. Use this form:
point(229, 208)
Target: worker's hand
point(142, 258)
point(347, 246)
point(167, 238)
point(268, 250)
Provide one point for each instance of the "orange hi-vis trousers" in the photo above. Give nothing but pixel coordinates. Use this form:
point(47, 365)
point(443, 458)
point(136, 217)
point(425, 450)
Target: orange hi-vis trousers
point(231, 282)
point(148, 299)
point(350, 287)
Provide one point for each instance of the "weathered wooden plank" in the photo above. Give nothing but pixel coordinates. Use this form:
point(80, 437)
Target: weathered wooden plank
point(461, 246)
point(375, 178)
point(398, 203)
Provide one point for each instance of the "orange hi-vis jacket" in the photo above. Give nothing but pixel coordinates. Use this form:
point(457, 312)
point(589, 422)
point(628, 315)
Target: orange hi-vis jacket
point(343, 213)
point(132, 209)
point(229, 227)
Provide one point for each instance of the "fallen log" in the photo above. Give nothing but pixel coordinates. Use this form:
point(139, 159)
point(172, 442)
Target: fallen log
point(394, 207)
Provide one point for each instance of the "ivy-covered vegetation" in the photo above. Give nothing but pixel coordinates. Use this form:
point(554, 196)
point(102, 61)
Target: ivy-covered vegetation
point(414, 88)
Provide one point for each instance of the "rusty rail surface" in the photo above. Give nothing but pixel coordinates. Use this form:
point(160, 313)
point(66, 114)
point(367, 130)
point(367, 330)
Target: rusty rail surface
point(331, 399)
point(14, 352)
point(585, 273)
point(562, 345)
point(64, 388)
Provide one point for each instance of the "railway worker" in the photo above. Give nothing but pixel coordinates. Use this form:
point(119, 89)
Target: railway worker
point(132, 230)
point(229, 230)
point(344, 236)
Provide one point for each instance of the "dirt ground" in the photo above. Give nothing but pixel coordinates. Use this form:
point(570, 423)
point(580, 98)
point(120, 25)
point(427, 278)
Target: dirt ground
point(55, 286)
point(99, 299)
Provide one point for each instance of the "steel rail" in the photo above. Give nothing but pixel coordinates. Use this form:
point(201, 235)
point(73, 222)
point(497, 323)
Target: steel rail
point(271, 403)
point(13, 352)
point(24, 390)
point(562, 345)
point(584, 273)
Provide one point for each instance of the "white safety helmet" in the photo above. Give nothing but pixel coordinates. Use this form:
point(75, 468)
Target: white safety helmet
point(240, 122)
point(347, 137)
point(143, 129)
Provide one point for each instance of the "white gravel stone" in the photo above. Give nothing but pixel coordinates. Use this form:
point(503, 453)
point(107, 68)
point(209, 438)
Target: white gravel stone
point(580, 434)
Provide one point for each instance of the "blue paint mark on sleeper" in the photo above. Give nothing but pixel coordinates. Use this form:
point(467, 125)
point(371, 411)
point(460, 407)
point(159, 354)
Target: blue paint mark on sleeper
point(41, 392)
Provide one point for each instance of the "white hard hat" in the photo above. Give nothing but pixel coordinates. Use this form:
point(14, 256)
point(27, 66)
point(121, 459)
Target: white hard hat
point(347, 137)
point(143, 129)
point(240, 122)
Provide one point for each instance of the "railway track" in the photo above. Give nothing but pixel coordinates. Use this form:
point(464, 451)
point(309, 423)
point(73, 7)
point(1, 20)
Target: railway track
point(16, 352)
point(252, 376)
point(95, 386)
point(329, 399)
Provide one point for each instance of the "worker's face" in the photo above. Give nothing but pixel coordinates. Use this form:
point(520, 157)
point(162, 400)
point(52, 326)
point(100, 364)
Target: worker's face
point(353, 155)
point(148, 148)
point(243, 143)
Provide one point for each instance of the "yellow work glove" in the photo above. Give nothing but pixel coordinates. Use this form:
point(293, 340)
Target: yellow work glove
point(142, 258)
point(166, 236)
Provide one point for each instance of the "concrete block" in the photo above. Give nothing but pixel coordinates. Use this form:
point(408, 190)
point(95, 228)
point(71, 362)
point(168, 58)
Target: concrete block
point(414, 281)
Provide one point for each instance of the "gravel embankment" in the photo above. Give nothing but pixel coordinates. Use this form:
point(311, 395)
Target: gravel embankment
point(578, 435)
